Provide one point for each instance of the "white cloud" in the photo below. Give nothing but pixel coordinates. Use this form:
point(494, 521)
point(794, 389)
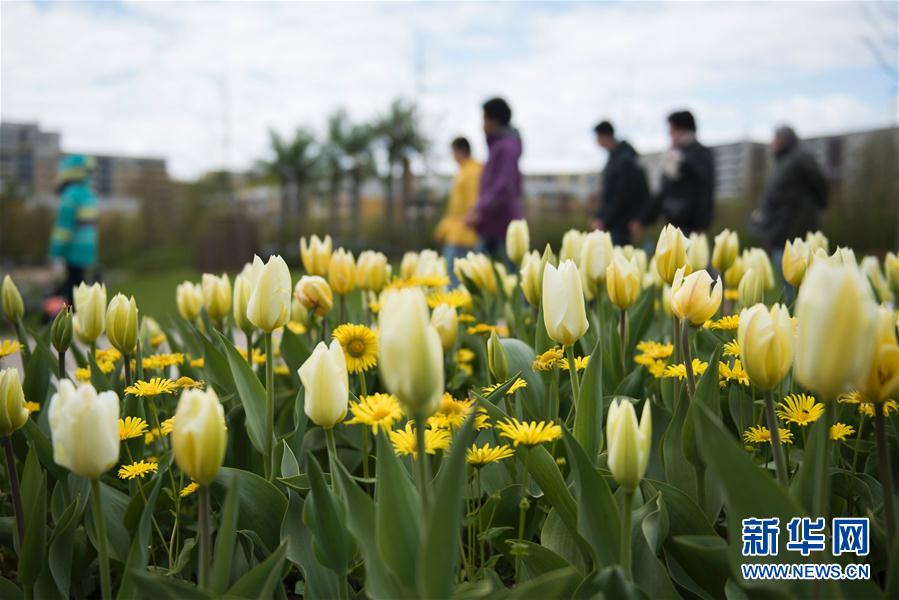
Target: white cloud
point(152, 78)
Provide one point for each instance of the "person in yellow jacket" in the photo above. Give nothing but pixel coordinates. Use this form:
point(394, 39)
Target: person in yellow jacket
point(452, 231)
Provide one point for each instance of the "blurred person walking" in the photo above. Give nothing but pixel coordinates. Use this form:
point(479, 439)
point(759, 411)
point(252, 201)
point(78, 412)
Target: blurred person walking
point(73, 243)
point(795, 193)
point(452, 231)
point(499, 194)
point(686, 197)
point(624, 191)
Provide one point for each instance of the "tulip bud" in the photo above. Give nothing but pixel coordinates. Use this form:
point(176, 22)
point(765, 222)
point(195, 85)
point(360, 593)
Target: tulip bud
point(693, 298)
point(765, 338)
point(870, 268)
point(298, 312)
point(61, 330)
point(189, 298)
point(532, 277)
point(881, 380)
point(90, 311)
point(734, 273)
point(316, 255)
point(698, 251)
point(671, 252)
point(845, 256)
point(727, 246)
point(372, 271)
point(241, 300)
point(497, 361)
point(342, 272)
point(430, 264)
point(572, 243)
point(795, 261)
point(623, 281)
point(269, 306)
point(326, 384)
point(216, 295)
point(408, 265)
point(596, 256)
point(751, 289)
point(837, 317)
point(13, 307)
point(564, 314)
point(411, 359)
point(629, 443)
point(478, 269)
point(816, 240)
point(756, 258)
point(446, 322)
point(314, 294)
point(199, 435)
point(121, 324)
point(13, 413)
point(84, 427)
point(518, 240)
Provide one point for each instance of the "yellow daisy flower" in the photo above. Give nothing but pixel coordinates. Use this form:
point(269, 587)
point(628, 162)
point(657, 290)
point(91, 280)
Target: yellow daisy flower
point(154, 387)
point(296, 328)
point(850, 398)
point(198, 363)
point(157, 362)
point(457, 298)
point(32, 407)
point(360, 346)
point(867, 408)
point(186, 383)
point(451, 414)
point(580, 363)
point(548, 359)
point(726, 323)
point(657, 369)
point(759, 435)
point(679, 370)
point(105, 366)
point(466, 368)
point(464, 355)
point(83, 374)
point(404, 441)
point(131, 427)
point(189, 489)
point(486, 454)
point(655, 349)
point(800, 409)
point(107, 354)
point(728, 373)
point(731, 348)
point(840, 431)
point(378, 411)
point(157, 339)
point(730, 294)
point(8, 347)
point(483, 328)
point(516, 385)
point(282, 370)
point(164, 428)
point(137, 469)
point(529, 433)
point(466, 318)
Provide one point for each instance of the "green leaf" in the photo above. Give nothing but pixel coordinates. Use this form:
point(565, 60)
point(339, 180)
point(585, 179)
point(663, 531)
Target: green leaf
point(62, 545)
point(649, 527)
point(397, 515)
point(294, 350)
point(684, 515)
point(170, 588)
point(598, 518)
point(539, 560)
point(521, 357)
point(263, 579)
point(542, 342)
point(320, 581)
point(225, 540)
point(806, 483)
point(139, 552)
point(560, 583)
point(588, 418)
point(609, 583)
point(41, 444)
point(32, 557)
point(704, 558)
point(262, 505)
point(324, 516)
point(10, 590)
point(706, 395)
point(36, 384)
point(289, 465)
point(251, 392)
point(115, 504)
point(440, 554)
point(215, 366)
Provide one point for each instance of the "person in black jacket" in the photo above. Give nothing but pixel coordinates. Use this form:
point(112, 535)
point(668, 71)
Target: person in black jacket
point(686, 197)
point(624, 189)
point(794, 194)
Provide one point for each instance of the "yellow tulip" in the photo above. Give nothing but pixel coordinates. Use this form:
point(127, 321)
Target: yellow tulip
point(241, 300)
point(411, 353)
point(596, 256)
point(121, 324)
point(216, 295)
point(815, 240)
point(342, 272)
point(199, 435)
point(446, 322)
point(189, 297)
point(880, 382)
point(837, 318)
point(891, 266)
point(795, 261)
point(315, 255)
point(269, 306)
point(845, 256)
point(629, 443)
point(765, 338)
point(84, 429)
point(693, 298)
point(90, 311)
point(734, 273)
point(532, 277)
point(13, 413)
point(518, 240)
point(314, 294)
point(372, 271)
point(408, 265)
point(13, 307)
point(751, 289)
point(477, 269)
point(326, 385)
point(564, 314)
point(756, 258)
point(623, 281)
point(727, 246)
point(698, 251)
point(671, 252)
point(870, 267)
point(572, 242)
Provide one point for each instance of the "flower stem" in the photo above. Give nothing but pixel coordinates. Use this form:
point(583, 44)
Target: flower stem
point(205, 536)
point(126, 363)
point(269, 405)
point(523, 506)
point(100, 523)
point(688, 360)
point(572, 372)
point(15, 490)
point(776, 446)
point(62, 365)
point(886, 473)
point(332, 456)
point(22, 334)
point(423, 477)
point(626, 533)
point(822, 498)
point(622, 334)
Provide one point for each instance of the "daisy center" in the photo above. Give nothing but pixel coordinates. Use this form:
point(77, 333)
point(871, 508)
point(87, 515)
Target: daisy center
point(356, 348)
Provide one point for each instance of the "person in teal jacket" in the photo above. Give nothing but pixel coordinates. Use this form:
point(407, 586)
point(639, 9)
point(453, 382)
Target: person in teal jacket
point(74, 238)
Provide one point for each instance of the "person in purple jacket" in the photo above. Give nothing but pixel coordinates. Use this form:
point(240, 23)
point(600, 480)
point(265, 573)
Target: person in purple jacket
point(499, 194)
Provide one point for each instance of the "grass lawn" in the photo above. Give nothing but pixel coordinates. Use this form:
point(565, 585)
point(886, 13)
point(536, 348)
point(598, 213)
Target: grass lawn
point(154, 291)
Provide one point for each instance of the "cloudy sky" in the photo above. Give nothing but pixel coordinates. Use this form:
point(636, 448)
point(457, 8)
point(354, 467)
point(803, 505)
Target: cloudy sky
point(201, 84)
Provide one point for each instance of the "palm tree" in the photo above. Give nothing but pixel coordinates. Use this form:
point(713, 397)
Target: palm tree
point(400, 133)
point(293, 166)
point(334, 157)
point(357, 146)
